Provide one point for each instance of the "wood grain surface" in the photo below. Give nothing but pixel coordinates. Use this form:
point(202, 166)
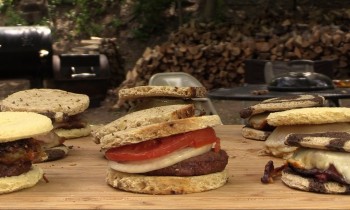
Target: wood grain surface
point(78, 182)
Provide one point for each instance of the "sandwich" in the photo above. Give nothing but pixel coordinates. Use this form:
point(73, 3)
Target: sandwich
point(256, 126)
point(19, 149)
point(174, 152)
point(62, 107)
point(303, 120)
point(319, 164)
point(143, 97)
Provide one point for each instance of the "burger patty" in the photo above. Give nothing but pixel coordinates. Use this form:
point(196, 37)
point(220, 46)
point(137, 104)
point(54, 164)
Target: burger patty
point(206, 163)
point(14, 169)
point(16, 156)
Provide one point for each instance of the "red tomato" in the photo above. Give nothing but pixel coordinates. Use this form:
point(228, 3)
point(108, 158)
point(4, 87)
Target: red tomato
point(162, 146)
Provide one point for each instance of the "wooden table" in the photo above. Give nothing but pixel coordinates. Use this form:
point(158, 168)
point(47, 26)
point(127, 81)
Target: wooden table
point(78, 182)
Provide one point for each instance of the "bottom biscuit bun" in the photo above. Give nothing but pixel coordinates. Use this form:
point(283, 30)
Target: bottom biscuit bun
point(73, 133)
point(296, 181)
point(26, 180)
point(165, 185)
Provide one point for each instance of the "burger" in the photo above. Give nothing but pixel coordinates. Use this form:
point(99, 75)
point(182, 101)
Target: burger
point(19, 149)
point(320, 163)
point(168, 156)
point(62, 107)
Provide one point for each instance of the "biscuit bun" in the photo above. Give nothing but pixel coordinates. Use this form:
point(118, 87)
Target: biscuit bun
point(61, 106)
point(165, 185)
point(138, 161)
point(17, 133)
point(163, 91)
point(25, 180)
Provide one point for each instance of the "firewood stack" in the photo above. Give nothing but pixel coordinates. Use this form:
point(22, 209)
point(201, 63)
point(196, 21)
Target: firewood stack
point(215, 53)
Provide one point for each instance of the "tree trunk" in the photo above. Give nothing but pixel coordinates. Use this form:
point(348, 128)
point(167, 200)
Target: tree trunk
point(207, 10)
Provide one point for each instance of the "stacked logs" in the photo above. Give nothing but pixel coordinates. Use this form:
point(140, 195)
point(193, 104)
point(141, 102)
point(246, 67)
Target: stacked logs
point(215, 54)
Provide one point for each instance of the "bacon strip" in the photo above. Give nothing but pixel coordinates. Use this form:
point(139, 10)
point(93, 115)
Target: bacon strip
point(270, 172)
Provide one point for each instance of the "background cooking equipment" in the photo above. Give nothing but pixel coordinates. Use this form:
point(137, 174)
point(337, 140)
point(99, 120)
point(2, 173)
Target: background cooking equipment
point(26, 53)
point(82, 73)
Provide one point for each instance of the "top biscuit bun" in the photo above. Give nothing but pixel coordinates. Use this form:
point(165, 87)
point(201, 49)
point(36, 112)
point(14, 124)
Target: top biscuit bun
point(162, 91)
point(21, 125)
point(46, 101)
point(145, 117)
point(310, 116)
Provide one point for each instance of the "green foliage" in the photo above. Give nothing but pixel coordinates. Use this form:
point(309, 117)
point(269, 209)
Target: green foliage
point(150, 15)
point(87, 11)
point(12, 17)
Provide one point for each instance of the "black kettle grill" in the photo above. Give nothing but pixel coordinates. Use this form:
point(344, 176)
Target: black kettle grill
point(26, 52)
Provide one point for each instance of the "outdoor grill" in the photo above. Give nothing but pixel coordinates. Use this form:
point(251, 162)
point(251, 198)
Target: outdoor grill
point(82, 73)
point(26, 53)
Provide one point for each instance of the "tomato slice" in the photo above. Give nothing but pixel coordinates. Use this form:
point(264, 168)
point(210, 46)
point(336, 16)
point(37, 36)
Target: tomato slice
point(162, 146)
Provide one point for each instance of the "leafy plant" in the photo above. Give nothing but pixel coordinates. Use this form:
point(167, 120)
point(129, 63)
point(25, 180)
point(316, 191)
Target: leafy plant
point(12, 16)
point(150, 15)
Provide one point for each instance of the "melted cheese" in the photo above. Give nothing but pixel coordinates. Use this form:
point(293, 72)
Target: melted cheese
point(158, 163)
point(321, 159)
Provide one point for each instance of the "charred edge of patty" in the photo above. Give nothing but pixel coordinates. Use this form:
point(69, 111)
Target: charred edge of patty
point(206, 163)
point(16, 157)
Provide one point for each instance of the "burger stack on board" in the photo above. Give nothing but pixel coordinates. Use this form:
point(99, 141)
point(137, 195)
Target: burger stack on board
point(320, 160)
point(62, 107)
point(257, 127)
point(163, 150)
point(19, 148)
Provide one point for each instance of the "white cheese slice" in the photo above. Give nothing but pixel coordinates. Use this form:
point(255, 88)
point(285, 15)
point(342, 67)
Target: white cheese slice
point(158, 163)
point(322, 159)
point(275, 146)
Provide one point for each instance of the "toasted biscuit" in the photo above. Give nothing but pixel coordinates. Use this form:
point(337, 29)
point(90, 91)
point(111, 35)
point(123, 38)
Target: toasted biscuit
point(145, 117)
point(20, 125)
point(26, 180)
point(158, 130)
point(51, 102)
point(295, 181)
point(165, 185)
point(335, 141)
point(255, 134)
point(73, 133)
point(162, 91)
point(259, 122)
point(308, 116)
point(283, 103)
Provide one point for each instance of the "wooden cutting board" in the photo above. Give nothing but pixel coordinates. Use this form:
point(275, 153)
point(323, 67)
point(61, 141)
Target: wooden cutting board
point(78, 182)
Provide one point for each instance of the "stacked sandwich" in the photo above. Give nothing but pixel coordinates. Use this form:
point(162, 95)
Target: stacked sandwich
point(19, 148)
point(256, 124)
point(143, 97)
point(319, 164)
point(163, 150)
point(62, 107)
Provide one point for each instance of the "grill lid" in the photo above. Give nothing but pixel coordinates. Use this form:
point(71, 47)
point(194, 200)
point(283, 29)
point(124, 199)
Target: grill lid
point(301, 81)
